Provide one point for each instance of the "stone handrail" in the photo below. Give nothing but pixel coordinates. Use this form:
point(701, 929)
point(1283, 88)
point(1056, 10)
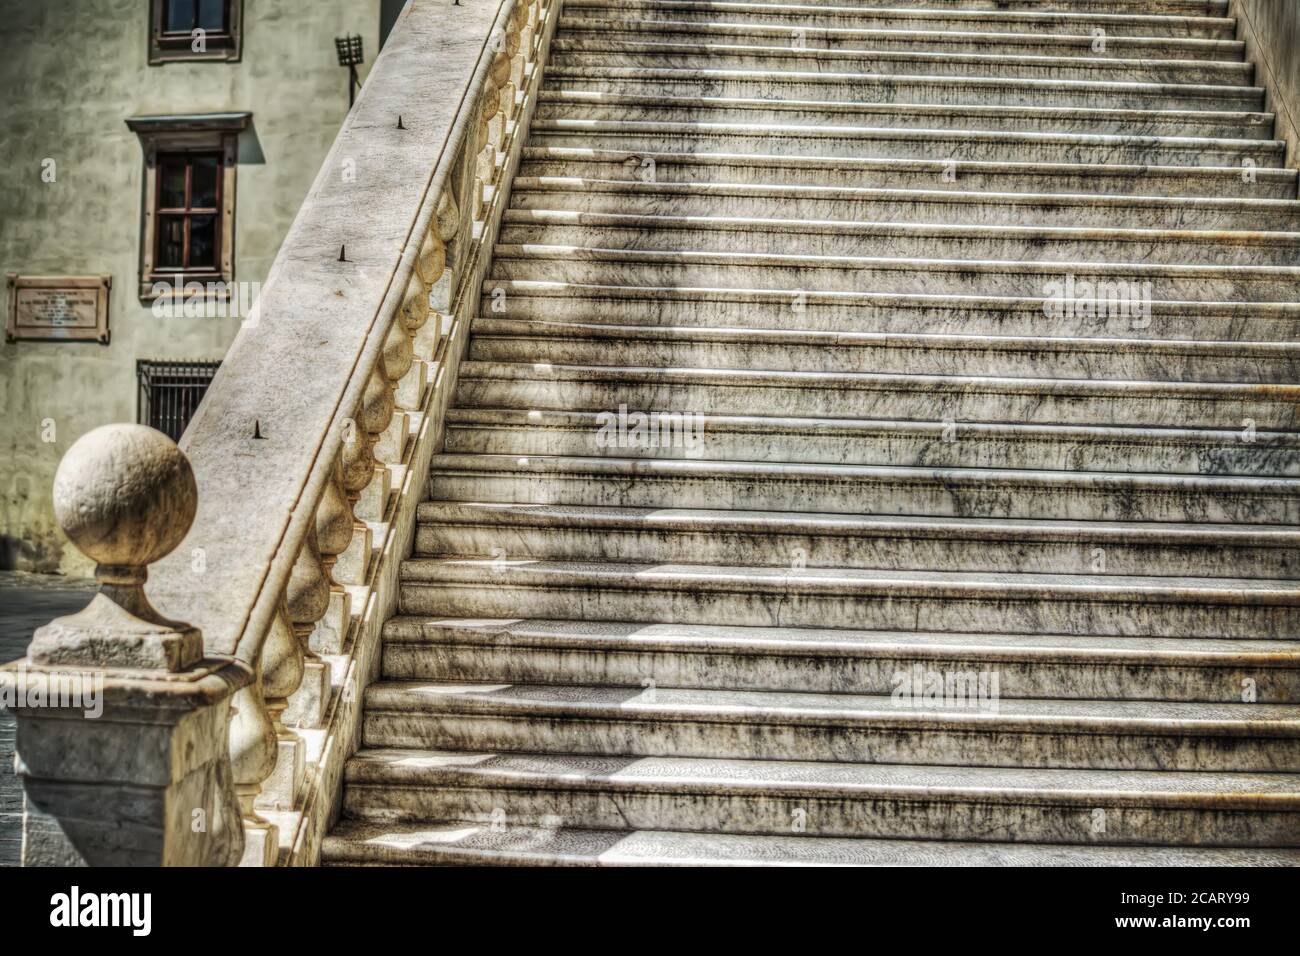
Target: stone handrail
point(312, 445)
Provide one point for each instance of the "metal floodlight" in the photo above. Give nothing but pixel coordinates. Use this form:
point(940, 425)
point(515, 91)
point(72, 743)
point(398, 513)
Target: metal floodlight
point(349, 50)
point(350, 55)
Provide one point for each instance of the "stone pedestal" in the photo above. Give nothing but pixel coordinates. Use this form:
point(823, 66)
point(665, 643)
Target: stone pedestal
point(123, 742)
point(135, 772)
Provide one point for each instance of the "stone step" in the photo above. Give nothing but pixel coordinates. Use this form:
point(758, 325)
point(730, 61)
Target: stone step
point(735, 29)
point(658, 433)
point(685, 53)
point(359, 843)
point(881, 312)
point(566, 343)
point(882, 204)
point(760, 725)
point(982, 277)
point(611, 653)
point(779, 798)
point(842, 237)
point(1185, 8)
point(792, 139)
point(870, 88)
point(594, 105)
point(852, 597)
point(958, 175)
point(865, 489)
point(964, 398)
point(791, 539)
point(885, 16)
point(856, 604)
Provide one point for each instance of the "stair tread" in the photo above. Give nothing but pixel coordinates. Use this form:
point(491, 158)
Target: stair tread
point(1133, 270)
point(488, 325)
point(720, 638)
point(745, 706)
point(540, 572)
point(1028, 17)
point(1100, 86)
point(555, 288)
point(549, 371)
point(423, 843)
point(583, 24)
point(565, 287)
point(892, 164)
point(919, 11)
point(849, 427)
point(645, 466)
point(706, 520)
point(545, 184)
point(687, 774)
point(608, 42)
point(886, 228)
point(514, 671)
point(891, 132)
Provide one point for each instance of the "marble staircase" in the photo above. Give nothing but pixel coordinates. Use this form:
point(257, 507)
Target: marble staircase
point(967, 532)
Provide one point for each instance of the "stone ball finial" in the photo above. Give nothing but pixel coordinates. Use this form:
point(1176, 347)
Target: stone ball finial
point(125, 495)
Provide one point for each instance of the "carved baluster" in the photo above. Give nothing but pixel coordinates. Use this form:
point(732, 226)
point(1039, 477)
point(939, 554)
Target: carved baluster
point(432, 260)
point(491, 126)
point(528, 33)
point(435, 268)
point(282, 670)
point(376, 413)
point(498, 79)
point(448, 229)
point(356, 470)
point(432, 263)
point(335, 531)
point(308, 599)
point(512, 47)
point(399, 357)
point(414, 316)
point(468, 189)
point(253, 751)
point(398, 353)
point(448, 220)
point(484, 158)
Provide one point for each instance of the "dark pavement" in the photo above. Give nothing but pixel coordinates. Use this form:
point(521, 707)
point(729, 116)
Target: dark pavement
point(26, 602)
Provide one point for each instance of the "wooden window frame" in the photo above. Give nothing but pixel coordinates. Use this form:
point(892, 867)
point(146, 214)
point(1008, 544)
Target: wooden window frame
point(210, 133)
point(166, 47)
point(188, 211)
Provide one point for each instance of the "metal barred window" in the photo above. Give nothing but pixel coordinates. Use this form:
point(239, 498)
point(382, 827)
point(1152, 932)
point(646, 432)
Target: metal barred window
point(170, 393)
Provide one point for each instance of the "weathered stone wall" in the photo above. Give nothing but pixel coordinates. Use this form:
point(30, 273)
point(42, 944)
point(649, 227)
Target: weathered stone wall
point(73, 71)
point(1271, 30)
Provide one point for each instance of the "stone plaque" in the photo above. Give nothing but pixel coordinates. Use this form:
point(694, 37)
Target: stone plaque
point(58, 307)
